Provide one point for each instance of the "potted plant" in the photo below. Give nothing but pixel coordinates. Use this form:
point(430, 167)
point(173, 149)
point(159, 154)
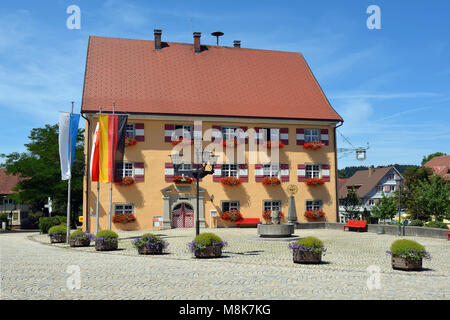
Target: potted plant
point(273, 145)
point(182, 179)
point(106, 240)
point(80, 239)
point(58, 233)
point(126, 181)
point(407, 255)
point(149, 244)
point(130, 141)
point(207, 245)
point(123, 218)
point(315, 181)
point(313, 145)
point(271, 181)
point(307, 250)
point(314, 214)
point(231, 215)
point(230, 181)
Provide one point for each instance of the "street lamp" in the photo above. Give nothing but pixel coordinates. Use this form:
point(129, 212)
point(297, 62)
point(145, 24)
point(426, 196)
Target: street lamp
point(202, 159)
point(398, 180)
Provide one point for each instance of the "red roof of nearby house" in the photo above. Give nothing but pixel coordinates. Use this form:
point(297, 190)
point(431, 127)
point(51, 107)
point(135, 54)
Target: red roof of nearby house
point(440, 166)
point(219, 81)
point(7, 182)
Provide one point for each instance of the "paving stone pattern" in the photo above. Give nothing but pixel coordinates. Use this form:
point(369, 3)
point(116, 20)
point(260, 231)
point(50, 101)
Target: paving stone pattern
point(32, 268)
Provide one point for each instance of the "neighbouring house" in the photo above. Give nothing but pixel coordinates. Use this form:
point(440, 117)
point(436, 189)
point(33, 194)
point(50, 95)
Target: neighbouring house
point(16, 211)
point(165, 87)
point(440, 166)
point(370, 185)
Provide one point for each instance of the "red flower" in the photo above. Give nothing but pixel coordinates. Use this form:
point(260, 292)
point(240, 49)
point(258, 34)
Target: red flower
point(313, 145)
point(230, 181)
point(182, 179)
point(130, 141)
point(267, 215)
point(232, 215)
point(180, 140)
point(126, 181)
point(314, 214)
point(230, 142)
point(270, 145)
point(271, 181)
point(314, 181)
point(123, 218)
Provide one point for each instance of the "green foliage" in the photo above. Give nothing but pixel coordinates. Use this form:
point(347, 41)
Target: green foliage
point(79, 234)
point(45, 223)
point(408, 249)
point(433, 197)
point(207, 239)
point(386, 208)
point(106, 234)
point(40, 168)
point(351, 204)
point(310, 242)
point(416, 223)
point(431, 156)
point(307, 244)
point(59, 229)
point(3, 217)
point(436, 224)
point(150, 241)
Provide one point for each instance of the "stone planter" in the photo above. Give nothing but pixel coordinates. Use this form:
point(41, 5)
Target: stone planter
point(109, 245)
point(307, 257)
point(79, 242)
point(58, 238)
point(209, 252)
point(407, 264)
point(145, 250)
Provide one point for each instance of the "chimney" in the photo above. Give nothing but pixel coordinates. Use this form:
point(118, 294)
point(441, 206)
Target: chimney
point(197, 36)
point(237, 43)
point(157, 33)
point(371, 170)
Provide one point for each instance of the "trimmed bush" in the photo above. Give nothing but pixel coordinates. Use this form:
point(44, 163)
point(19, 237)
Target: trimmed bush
point(106, 234)
point(59, 229)
point(307, 244)
point(416, 223)
point(205, 240)
point(436, 224)
point(79, 234)
point(150, 242)
point(61, 219)
point(45, 223)
point(3, 217)
point(408, 249)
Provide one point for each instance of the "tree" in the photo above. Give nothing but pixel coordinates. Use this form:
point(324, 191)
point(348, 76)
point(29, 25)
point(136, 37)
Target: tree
point(351, 203)
point(431, 156)
point(412, 177)
point(41, 170)
point(433, 197)
point(386, 208)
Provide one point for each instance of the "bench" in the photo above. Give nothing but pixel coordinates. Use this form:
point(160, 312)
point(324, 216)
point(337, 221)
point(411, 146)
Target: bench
point(448, 235)
point(358, 224)
point(247, 221)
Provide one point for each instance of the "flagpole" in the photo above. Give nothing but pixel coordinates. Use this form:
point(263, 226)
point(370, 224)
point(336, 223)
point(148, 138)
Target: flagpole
point(70, 176)
point(110, 183)
point(97, 223)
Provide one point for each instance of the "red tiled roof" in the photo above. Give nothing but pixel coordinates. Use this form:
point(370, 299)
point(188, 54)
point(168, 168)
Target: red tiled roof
point(7, 182)
point(219, 81)
point(440, 166)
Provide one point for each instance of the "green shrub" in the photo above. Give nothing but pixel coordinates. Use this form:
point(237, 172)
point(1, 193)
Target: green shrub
point(416, 223)
point(436, 224)
point(80, 235)
point(408, 249)
point(45, 223)
point(106, 234)
point(150, 240)
point(3, 217)
point(207, 239)
point(307, 244)
point(59, 229)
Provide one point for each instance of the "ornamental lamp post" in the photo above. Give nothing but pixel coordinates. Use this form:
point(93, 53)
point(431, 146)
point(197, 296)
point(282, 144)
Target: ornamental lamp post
point(201, 161)
point(398, 180)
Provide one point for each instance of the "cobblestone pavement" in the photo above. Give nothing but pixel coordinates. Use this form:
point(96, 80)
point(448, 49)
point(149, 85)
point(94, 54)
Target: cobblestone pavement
point(31, 268)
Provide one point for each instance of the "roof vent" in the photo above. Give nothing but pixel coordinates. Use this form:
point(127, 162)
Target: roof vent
point(217, 34)
point(157, 33)
point(237, 43)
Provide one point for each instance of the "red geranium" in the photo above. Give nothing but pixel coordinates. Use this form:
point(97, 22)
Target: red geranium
point(271, 181)
point(124, 218)
point(230, 181)
point(267, 215)
point(126, 181)
point(314, 181)
point(314, 214)
point(182, 179)
point(232, 215)
point(313, 145)
point(130, 141)
point(270, 145)
point(181, 140)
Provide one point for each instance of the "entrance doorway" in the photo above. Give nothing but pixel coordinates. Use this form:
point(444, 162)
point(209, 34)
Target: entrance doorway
point(183, 216)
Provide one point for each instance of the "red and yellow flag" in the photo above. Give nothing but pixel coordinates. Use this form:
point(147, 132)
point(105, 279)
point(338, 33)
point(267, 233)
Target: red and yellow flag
point(111, 145)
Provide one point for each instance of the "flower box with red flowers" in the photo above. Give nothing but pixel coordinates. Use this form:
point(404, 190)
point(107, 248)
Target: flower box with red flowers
point(313, 145)
point(267, 215)
point(314, 214)
point(126, 181)
point(130, 141)
point(273, 145)
point(124, 218)
point(231, 215)
point(271, 181)
point(230, 181)
point(182, 141)
point(182, 179)
point(315, 181)
point(230, 142)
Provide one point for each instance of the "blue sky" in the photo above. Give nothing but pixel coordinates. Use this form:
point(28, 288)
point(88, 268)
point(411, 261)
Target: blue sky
point(391, 86)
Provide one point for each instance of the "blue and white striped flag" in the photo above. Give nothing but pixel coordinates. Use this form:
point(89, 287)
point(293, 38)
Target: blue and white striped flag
point(68, 129)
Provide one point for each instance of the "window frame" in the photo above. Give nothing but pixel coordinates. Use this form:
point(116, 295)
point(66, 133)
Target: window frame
point(123, 209)
point(309, 135)
point(313, 204)
point(178, 172)
point(236, 204)
point(271, 170)
point(267, 133)
point(132, 130)
point(124, 170)
point(310, 173)
point(183, 127)
point(271, 206)
point(229, 170)
point(225, 129)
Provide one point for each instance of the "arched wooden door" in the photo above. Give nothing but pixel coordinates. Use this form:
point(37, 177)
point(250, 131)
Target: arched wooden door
point(183, 216)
